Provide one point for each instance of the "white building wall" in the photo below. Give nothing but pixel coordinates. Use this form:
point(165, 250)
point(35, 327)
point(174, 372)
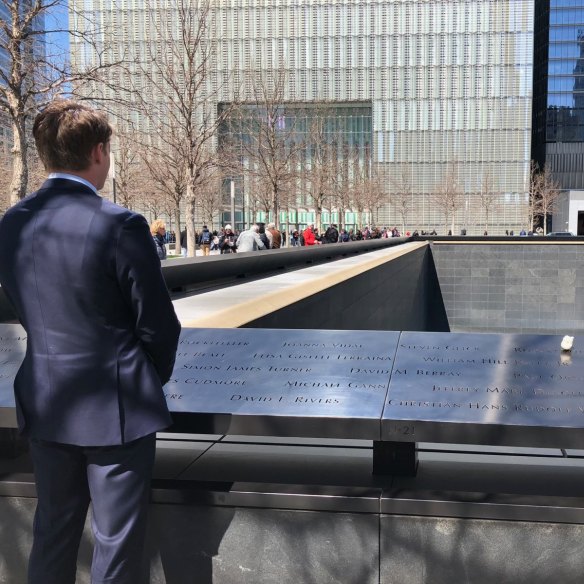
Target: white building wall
point(450, 82)
point(565, 217)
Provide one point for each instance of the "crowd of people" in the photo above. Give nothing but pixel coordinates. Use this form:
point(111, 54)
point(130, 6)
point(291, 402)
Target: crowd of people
point(311, 236)
point(260, 237)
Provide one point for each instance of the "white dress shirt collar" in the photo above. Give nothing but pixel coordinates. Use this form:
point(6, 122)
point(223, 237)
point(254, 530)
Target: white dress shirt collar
point(73, 177)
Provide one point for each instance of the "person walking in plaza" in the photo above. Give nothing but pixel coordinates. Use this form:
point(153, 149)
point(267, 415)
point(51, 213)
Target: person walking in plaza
point(249, 240)
point(331, 235)
point(205, 240)
point(274, 235)
point(101, 342)
point(158, 231)
point(263, 235)
point(227, 241)
point(309, 235)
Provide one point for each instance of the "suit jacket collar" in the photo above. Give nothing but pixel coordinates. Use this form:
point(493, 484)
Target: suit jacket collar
point(64, 184)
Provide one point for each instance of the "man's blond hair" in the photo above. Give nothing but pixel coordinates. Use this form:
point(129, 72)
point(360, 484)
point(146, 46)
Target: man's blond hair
point(66, 132)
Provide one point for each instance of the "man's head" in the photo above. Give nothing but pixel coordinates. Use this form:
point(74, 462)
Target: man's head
point(271, 226)
point(255, 227)
point(72, 137)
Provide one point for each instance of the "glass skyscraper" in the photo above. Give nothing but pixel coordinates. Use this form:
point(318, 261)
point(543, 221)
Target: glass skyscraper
point(449, 84)
point(559, 90)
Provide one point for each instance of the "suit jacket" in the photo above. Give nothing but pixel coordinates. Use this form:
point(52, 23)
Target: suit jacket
point(84, 278)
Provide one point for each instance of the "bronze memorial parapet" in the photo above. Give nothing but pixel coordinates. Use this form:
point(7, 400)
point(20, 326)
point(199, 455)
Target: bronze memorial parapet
point(394, 388)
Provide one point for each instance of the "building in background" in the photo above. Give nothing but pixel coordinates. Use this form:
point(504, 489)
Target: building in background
point(328, 147)
point(558, 112)
point(448, 85)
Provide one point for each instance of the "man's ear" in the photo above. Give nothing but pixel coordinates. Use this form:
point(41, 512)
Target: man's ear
point(98, 153)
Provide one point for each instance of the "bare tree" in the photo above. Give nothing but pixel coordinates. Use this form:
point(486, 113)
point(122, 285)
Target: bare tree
point(179, 105)
point(169, 175)
point(448, 196)
point(357, 175)
point(149, 199)
point(263, 193)
point(268, 140)
point(489, 196)
point(321, 170)
point(37, 71)
point(210, 198)
point(374, 194)
point(343, 193)
point(401, 194)
point(547, 192)
point(534, 203)
point(36, 175)
point(365, 189)
point(128, 167)
point(5, 178)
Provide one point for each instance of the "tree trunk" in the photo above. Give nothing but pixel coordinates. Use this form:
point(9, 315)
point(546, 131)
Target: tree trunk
point(177, 248)
point(276, 207)
point(318, 219)
point(190, 223)
point(19, 183)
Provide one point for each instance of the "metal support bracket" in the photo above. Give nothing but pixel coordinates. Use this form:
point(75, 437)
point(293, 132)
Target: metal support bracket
point(395, 458)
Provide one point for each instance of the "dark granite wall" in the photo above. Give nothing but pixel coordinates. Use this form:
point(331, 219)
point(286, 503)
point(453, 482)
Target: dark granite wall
point(402, 294)
point(221, 545)
point(515, 287)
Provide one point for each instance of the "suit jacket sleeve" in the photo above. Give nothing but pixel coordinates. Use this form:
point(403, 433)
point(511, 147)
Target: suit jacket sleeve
point(142, 285)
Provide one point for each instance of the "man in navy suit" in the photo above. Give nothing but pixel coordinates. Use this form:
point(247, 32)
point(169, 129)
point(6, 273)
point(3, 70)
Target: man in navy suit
point(85, 280)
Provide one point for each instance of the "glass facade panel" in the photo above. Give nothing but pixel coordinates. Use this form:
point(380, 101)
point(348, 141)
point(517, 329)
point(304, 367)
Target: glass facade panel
point(565, 3)
point(565, 33)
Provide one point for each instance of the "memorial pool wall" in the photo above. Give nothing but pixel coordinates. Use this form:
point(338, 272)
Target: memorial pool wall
point(517, 285)
point(400, 294)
